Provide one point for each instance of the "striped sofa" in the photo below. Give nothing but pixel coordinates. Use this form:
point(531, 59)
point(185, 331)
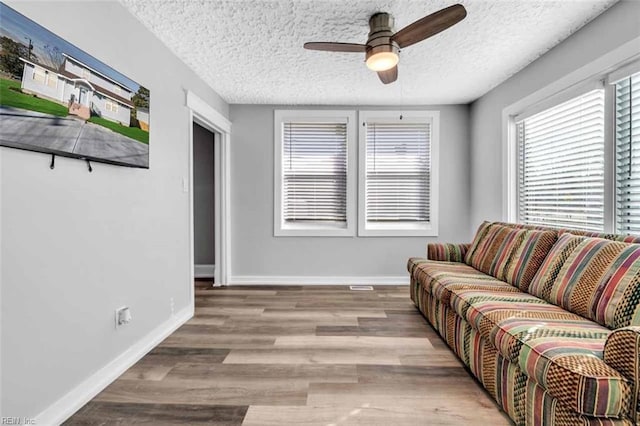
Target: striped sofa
point(547, 320)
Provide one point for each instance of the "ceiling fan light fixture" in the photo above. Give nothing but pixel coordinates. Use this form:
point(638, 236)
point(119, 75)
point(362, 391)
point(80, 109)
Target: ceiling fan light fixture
point(382, 57)
point(382, 61)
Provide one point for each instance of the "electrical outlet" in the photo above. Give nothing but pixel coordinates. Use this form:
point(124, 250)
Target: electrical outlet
point(172, 305)
point(123, 316)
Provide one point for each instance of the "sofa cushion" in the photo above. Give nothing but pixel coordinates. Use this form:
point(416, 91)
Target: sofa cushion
point(478, 238)
point(469, 303)
point(599, 280)
point(543, 280)
point(439, 278)
point(425, 270)
point(527, 258)
point(612, 237)
point(559, 350)
point(493, 247)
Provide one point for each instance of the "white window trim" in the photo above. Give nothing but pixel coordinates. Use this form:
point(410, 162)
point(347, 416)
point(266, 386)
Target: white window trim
point(40, 72)
point(51, 77)
point(589, 74)
point(397, 229)
point(280, 229)
point(111, 105)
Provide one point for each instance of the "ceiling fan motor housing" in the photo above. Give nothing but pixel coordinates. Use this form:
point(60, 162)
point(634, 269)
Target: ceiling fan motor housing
point(379, 40)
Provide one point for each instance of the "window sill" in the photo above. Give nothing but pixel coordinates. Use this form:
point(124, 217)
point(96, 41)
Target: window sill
point(310, 230)
point(397, 230)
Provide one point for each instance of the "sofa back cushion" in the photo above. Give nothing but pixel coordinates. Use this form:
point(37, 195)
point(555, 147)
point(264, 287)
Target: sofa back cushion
point(613, 237)
point(492, 248)
point(596, 278)
point(511, 254)
point(526, 260)
point(477, 240)
point(544, 279)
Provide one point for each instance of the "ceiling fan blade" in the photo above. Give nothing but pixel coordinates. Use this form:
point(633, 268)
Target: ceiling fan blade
point(336, 47)
point(430, 25)
point(388, 76)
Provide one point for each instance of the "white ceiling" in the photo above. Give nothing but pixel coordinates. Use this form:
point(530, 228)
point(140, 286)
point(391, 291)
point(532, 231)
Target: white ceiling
point(251, 51)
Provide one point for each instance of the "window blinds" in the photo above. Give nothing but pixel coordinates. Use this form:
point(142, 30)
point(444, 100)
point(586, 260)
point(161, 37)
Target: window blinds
point(561, 164)
point(314, 167)
point(627, 134)
point(398, 172)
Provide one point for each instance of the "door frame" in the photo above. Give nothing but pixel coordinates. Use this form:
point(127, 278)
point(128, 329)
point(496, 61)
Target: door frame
point(208, 117)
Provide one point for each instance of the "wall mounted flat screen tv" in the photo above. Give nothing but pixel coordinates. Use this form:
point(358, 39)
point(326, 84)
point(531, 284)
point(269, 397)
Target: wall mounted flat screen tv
point(57, 99)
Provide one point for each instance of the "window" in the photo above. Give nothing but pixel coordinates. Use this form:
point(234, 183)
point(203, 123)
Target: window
point(314, 154)
point(561, 164)
point(111, 105)
point(52, 80)
point(116, 89)
point(398, 173)
point(627, 140)
point(39, 74)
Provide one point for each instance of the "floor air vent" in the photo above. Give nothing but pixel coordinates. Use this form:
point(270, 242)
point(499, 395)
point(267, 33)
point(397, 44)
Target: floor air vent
point(361, 288)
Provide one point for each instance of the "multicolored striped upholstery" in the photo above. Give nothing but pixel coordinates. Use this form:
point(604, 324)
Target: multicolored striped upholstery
point(612, 237)
point(545, 277)
point(440, 278)
point(573, 371)
point(493, 247)
point(561, 351)
point(600, 280)
point(547, 354)
point(447, 251)
point(477, 240)
point(622, 352)
point(508, 253)
point(526, 260)
point(520, 397)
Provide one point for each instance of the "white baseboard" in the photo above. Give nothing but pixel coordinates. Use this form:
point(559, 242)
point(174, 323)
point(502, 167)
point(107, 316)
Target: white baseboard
point(307, 280)
point(66, 406)
point(204, 271)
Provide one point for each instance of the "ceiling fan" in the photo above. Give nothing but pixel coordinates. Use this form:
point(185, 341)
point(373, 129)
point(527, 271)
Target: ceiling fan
point(383, 45)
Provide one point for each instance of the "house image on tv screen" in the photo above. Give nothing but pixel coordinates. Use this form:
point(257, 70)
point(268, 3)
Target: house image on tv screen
point(83, 89)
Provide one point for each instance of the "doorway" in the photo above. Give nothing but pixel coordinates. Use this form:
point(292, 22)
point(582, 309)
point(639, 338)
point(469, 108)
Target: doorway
point(210, 120)
point(204, 193)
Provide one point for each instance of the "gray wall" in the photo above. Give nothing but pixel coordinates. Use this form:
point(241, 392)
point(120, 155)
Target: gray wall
point(78, 245)
point(203, 196)
point(619, 24)
point(256, 252)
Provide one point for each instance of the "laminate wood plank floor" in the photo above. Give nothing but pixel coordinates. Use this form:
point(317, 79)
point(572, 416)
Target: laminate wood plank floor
point(297, 355)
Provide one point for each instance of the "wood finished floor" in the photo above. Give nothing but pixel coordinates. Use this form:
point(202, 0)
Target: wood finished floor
point(297, 355)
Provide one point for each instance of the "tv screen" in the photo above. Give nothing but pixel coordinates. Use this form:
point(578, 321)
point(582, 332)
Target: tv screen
point(57, 99)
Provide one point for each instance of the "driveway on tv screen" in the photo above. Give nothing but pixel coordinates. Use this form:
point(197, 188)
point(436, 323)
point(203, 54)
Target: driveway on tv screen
point(32, 130)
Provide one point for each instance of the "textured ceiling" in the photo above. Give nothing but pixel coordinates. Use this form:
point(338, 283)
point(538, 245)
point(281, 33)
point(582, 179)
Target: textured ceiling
point(251, 51)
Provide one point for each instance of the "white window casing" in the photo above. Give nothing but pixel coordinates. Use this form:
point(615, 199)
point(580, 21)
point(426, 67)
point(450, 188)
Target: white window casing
point(52, 80)
point(398, 173)
point(314, 173)
point(111, 105)
point(39, 74)
point(627, 141)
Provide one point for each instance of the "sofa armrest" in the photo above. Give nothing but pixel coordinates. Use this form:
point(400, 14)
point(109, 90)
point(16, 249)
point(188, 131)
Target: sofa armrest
point(622, 352)
point(447, 251)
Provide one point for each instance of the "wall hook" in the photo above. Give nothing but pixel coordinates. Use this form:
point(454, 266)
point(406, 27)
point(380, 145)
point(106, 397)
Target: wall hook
point(53, 162)
point(89, 166)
